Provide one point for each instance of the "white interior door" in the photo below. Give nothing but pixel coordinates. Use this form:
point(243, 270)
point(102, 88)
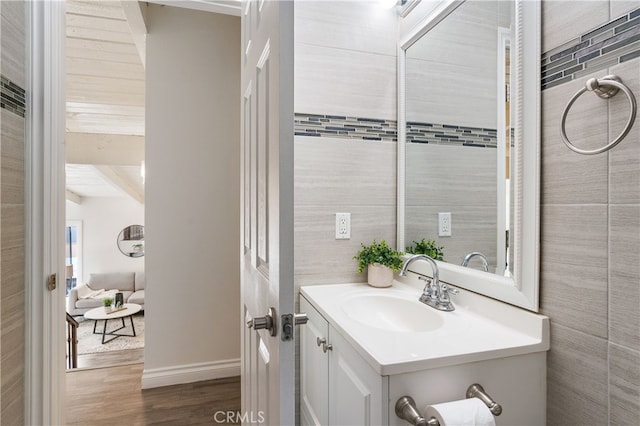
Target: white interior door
point(267, 213)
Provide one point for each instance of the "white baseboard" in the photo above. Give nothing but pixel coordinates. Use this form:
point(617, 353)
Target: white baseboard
point(167, 376)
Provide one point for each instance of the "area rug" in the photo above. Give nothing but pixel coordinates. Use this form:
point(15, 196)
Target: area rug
point(89, 343)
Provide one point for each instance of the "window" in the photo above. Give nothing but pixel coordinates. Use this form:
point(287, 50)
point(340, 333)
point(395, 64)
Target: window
point(73, 253)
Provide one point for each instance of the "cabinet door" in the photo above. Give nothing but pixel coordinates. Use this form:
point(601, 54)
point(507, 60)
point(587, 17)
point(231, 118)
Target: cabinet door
point(314, 369)
point(357, 394)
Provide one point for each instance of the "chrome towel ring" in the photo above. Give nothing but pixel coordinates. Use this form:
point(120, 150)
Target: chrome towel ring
point(605, 87)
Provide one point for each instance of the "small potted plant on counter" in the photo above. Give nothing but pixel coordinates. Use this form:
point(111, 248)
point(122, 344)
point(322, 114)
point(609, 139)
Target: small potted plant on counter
point(108, 302)
point(381, 262)
point(427, 247)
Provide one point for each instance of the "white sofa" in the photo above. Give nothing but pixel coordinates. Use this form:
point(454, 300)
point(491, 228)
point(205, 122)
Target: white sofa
point(131, 284)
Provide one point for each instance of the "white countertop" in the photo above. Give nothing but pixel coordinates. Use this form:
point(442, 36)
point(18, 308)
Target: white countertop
point(479, 329)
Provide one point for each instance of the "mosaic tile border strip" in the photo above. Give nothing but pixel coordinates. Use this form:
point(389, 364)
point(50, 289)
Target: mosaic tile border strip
point(12, 96)
point(373, 129)
point(340, 126)
point(446, 134)
point(611, 44)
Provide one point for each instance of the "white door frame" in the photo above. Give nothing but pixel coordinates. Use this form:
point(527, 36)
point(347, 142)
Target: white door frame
point(45, 213)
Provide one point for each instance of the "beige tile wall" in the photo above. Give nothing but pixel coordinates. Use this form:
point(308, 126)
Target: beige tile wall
point(345, 64)
point(341, 175)
point(345, 59)
point(590, 248)
point(12, 221)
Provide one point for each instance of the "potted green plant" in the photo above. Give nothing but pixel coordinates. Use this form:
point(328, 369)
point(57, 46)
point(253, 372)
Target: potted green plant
point(381, 262)
point(427, 247)
point(107, 302)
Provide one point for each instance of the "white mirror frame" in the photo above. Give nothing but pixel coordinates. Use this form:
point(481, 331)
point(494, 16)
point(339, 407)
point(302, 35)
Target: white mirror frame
point(522, 288)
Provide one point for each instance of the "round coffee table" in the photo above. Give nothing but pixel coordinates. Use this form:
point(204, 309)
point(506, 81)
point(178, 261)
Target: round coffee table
point(99, 314)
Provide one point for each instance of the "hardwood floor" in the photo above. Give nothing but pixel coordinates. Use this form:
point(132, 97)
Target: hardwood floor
point(112, 396)
point(111, 359)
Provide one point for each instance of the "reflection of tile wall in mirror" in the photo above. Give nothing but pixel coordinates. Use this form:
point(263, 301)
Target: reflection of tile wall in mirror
point(451, 71)
point(460, 180)
point(452, 131)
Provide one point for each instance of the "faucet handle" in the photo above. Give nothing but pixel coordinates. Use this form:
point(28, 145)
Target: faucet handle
point(428, 288)
point(450, 290)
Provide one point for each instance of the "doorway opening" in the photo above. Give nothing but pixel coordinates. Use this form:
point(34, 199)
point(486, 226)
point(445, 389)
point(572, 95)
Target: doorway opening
point(104, 184)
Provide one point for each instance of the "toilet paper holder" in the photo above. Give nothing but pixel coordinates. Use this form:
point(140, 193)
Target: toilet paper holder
point(406, 407)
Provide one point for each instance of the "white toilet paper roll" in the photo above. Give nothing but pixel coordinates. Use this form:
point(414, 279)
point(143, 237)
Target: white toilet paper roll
point(465, 412)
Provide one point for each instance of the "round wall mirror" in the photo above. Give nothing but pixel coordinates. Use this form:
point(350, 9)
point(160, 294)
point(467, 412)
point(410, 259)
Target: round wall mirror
point(131, 241)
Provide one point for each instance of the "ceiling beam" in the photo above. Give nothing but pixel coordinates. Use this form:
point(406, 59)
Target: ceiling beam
point(121, 182)
point(226, 7)
point(104, 149)
point(73, 197)
point(136, 15)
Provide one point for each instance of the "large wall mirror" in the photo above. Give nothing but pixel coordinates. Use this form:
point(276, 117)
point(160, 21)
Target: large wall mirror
point(468, 145)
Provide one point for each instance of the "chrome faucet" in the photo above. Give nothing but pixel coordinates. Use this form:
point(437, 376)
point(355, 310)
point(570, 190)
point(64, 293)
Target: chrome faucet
point(468, 257)
point(434, 294)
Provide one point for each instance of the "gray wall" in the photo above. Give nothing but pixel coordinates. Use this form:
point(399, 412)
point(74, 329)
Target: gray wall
point(590, 262)
point(192, 211)
point(12, 225)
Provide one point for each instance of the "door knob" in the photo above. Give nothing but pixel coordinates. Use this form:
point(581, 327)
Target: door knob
point(267, 322)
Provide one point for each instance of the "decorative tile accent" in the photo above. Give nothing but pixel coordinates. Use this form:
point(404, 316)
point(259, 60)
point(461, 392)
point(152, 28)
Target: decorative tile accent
point(446, 134)
point(373, 129)
point(12, 96)
point(338, 126)
point(615, 42)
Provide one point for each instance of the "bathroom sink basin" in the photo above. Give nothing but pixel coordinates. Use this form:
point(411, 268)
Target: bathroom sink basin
point(396, 333)
point(387, 312)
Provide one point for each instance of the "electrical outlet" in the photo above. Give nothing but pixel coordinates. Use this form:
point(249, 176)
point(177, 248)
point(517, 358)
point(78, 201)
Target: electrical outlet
point(343, 226)
point(444, 224)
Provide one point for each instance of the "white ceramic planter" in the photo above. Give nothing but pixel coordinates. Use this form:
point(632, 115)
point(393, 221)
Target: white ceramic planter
point(379, 275)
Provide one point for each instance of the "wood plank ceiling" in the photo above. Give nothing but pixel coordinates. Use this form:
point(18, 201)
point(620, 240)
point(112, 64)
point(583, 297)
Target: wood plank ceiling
point(105, 70)
point(105, 99)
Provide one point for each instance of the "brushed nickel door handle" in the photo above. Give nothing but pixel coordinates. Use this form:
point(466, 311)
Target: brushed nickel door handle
point(267, 322)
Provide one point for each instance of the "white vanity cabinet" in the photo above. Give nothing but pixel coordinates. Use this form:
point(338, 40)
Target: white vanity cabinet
point(337, 386)
point(385, 344)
